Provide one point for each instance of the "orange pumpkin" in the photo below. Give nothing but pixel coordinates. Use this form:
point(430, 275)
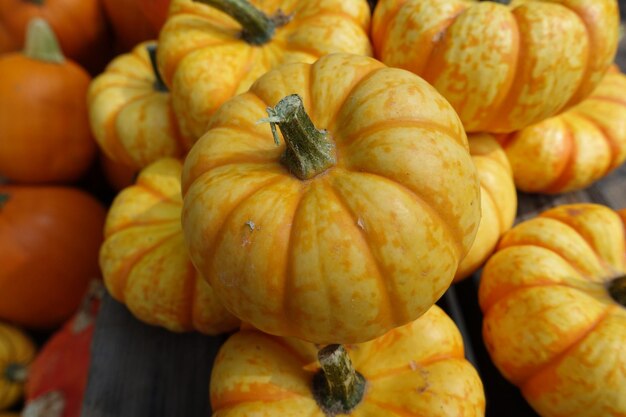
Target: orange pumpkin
point(554, 303)
point(43, 122)
point(155, 12)
point(118, 176)
point(498, 201)
point(80, 25)
point(207, 57)
point(16, 353)
point(49, 241)
point(130, 111)
point(342, 233)
point(501, 66)
point(414, 370)
point(145, 263)
point(130, 25)
point(576, 148)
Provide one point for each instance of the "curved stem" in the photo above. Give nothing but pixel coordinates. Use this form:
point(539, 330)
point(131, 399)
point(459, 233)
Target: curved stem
point(42, 43)
point(257, 27)
point(3, 199)
point(338, 388)
point(617, 289)
point(159, 85)
point(309, 151)
point(16, 372)
point(505, 2)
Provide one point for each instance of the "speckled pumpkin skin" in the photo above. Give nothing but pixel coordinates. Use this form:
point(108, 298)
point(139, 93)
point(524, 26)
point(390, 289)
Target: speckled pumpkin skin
point(501, 67)
point(549, 323)
point(15, 348)
point(205, 62)
point(133, 122)
point(366, 246)
point(576, 148)
point(417, 370)
point(144, 260)
point(498, 201)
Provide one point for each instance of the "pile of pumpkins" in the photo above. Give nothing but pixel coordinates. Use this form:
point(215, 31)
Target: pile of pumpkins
point(313, 175)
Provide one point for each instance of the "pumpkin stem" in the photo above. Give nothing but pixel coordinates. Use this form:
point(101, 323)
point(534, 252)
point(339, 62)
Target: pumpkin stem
point(3, 199)
point(338, 388)
point(617, 289)
point(159, 85)
point(42, 43)
point(257, 27)
point(506, 2)
point(37, 2)
point(308, 151)
point(50, 404)
point(16, 372)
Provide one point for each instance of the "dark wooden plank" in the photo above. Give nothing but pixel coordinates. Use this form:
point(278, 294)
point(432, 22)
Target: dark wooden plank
point(143, 371)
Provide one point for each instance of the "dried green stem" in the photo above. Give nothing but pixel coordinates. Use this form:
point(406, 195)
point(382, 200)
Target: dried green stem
point(338, 388)
point(257, 27)
point(617, 289)
point(309, 151)
point(16, 372)
point(3, 199)
point(159, 85)
point(42, 43)
point(37, 2)
point(505, 2)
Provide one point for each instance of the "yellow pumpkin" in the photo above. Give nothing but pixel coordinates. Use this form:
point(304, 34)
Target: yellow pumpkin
point(576, 148)
point(207, 56)
point(414, 370)
point(501, 66)
point(498, 201)
point(130, 111)
point(554, 304)
point(144, 260)
point(16, 352)
point(343, 233)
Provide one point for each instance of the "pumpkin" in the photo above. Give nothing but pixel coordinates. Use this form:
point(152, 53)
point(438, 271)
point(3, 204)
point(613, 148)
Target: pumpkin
point(130, 111)
point(43, 122)
point(502, 66)
point(129, 23)
point(80, 25)
point(576, 148)
point(341, 234)
point(16, 353)
point(415, 370)
point(554, 304)
point(118, 176)
point(155, 12)
point(144, 260)
point(57, 378)
point(498, 201)
point(207, 57)
point(49, 242)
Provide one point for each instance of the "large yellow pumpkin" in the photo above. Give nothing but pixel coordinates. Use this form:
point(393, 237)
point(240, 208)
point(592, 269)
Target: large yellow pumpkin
point(144, 260)
point(345, 232)
point(207, 57)
point(576, 148)
point(554, 303)
point(498, 201)
point(501, 66)
point(16, 353)
point(130, 111)
point(414, 370)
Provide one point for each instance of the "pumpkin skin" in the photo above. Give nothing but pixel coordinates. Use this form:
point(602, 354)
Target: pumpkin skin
point(49, 242)
point(498, 201)
point(43, 123)
point(144, 260)
point(550, 325)
point(502, 67)
point(204, 61)
point(364, 247)
point(130, 25)
point(155, 12)
point(118, 176)
point(414, 370)
point(80, 25)
point(15, 349)
point(576, 148)
point(131, 119)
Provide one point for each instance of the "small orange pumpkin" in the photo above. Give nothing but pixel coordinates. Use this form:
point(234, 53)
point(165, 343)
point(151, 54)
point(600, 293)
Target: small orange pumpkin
point(206, 56)
point(554, 304)
point(118, 176)
point(130, 111)
point(16, 353)
point(502, 66)
point(43, 123)
point(130, 24)
point(145, 263)
point(414, 370)
point(576, 148)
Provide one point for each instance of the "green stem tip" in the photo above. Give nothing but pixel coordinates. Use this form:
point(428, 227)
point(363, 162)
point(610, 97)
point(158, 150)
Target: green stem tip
point(617, 289)
point(16, 373)
point(3, 199)
point(42, 43)
point(337, 387)
point(159, 85)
